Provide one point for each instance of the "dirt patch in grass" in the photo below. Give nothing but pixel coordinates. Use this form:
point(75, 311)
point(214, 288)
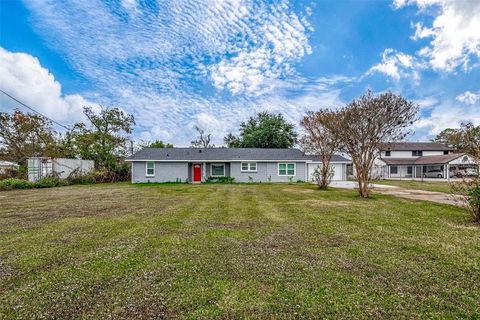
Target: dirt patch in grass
point(322, 202)
point(298, 190)
point(412, 194)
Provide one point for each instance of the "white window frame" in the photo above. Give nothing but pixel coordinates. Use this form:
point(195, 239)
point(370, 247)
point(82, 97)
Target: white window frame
point(286, 169)
point(146, 169)
point(249, 167)
point(217, 164)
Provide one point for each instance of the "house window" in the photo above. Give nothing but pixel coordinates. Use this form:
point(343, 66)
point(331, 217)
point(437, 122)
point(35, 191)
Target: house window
point(286, 169)
point(388, 153)
point(445, 152)
point(409, 170)
point(393, 170)
point(218, 170)
point(417, 153)
point(249, 166)
point(150, 169)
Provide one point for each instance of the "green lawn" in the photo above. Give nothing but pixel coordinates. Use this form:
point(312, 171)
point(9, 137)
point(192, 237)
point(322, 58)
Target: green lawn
point(233, 251)
point(437, 186)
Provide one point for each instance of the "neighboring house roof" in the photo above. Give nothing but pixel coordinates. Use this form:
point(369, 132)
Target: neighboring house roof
point(8, 164)
point(425, 160)
point(441, 159)
point(410, 146)
point(223, 154)
point(399, 161)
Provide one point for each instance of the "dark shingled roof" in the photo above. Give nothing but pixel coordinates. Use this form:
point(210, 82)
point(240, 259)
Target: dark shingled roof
point(410, 146)
point(425, 160)
point(439, 159)
point(223, 154)
point(399, 161)
point(335, 158)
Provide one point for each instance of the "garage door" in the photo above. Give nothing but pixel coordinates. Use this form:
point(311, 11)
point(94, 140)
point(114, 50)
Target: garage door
point(337, 170)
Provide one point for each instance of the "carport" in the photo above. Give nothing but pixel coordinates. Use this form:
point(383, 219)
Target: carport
point(440, 167)
point(451, 165)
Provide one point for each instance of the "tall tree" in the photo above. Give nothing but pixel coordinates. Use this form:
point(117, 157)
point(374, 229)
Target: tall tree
point(265, 130)
point(320, 141)
point(203, 140)
point(368, 121)
point(104, 138)
point(464, 139)
point(25, 135)
point(156, 144)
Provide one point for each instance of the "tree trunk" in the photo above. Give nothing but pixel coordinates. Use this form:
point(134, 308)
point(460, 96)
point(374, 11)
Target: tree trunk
point(363, 189)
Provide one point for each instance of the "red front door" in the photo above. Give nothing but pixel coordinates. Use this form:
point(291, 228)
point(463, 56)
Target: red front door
point(197, 172)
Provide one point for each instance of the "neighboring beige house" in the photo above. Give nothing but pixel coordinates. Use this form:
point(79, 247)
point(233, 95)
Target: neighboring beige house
point(419, 160)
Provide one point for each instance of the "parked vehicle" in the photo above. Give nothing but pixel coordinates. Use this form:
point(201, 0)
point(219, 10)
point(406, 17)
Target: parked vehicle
point(436, 173)
point(468, 172)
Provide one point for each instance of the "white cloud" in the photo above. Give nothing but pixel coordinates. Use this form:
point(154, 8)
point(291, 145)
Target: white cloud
point(23, 77)
point(238, 45)
point(280, 39)
point(179, 63)
point(469, 97)
point(427, 102)
point(454, 32)
point(219, 116)
point(447, 115)
point(131, 6)
point(397, 65)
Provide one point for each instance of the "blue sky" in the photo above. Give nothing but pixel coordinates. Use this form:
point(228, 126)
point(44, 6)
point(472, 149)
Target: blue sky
point(177, 64)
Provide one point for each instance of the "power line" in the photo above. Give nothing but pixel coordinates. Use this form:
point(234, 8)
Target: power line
point(30, 108)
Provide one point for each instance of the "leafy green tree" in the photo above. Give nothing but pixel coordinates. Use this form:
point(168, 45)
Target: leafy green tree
point(105, 138)
point(24, 135)
point(265, 130)
point(464, 139)
point(158, 144)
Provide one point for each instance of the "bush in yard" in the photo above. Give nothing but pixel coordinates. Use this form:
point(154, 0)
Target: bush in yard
point(12, 173)
point(50, 182)
point(77, 177)
point(467, 192)
point(13, 183)
point(220, 180)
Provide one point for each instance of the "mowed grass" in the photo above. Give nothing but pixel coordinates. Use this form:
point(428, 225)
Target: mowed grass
point(233, 251)
point(435, 186)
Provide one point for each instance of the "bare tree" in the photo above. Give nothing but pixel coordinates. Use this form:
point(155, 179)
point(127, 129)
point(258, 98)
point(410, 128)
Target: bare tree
point(202, 140)
point(319, 140)
point(467, 191)
point(368, 121)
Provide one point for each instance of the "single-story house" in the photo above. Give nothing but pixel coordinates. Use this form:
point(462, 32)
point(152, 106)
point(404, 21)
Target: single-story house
point(243, 164)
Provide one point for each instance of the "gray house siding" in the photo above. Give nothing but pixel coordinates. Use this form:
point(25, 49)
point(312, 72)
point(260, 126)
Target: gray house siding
point(182, 171)
point(209, 169)
point(266, 170)
point(164, 172)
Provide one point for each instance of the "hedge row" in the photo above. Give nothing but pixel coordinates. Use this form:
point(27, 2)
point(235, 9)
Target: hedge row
point(49, 182)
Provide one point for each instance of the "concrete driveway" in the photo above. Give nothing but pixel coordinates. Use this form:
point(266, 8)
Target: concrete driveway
point(437, 197)
point(354, 185)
